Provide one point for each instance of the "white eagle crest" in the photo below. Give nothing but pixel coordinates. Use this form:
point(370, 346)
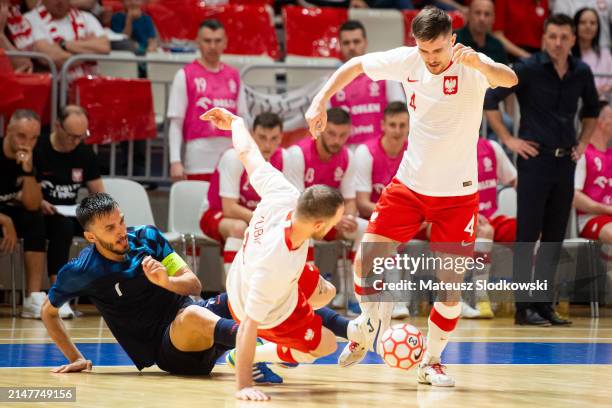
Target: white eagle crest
point(450, 85)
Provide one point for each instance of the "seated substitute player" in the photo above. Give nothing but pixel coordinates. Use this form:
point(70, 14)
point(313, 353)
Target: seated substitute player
point(272, 291)
point(593, 184)
point(231, 199)
point(377, 161)
point(437, 180)
point(328, 161)
point(141, 287)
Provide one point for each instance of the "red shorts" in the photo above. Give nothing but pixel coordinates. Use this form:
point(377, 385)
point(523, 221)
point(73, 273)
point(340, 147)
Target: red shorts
point(302, 329)
point(593, 227)
point(400, 212)
point(199, 177)
point(505, 228)
point(209, 224)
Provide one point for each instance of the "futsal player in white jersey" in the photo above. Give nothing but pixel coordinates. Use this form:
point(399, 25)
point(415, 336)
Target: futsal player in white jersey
point(437, 181)
point(272, 292)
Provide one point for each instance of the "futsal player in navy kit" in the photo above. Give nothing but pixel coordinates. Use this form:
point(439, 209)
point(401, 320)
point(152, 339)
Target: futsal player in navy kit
point(141, 287)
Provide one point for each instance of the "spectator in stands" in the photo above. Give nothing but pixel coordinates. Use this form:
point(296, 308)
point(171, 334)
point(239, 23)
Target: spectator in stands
point(363, 98)
point(20, 199)
point(551, 83)
point(328, 161)
point(477, 31)
point(136, 25)
point(604, 12)
point(231, 199)
point(396, 4)
point(15, 34)
point(61, 31)
point(518, 25)
point(593, 194)
point(197, 87)
point(588, 27)
point(448, 5)
point(64, 165)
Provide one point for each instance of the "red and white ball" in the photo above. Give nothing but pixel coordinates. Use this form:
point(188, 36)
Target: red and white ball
point(403, 346)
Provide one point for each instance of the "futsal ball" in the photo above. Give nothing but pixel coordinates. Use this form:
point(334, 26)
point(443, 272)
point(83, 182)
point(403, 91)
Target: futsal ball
point(402, 346)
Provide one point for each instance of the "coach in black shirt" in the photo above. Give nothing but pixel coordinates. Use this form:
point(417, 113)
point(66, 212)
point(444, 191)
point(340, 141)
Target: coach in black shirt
point(64, 164)
point(550, 85)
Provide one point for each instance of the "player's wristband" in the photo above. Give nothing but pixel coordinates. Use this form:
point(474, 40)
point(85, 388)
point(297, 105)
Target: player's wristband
point(173, 263)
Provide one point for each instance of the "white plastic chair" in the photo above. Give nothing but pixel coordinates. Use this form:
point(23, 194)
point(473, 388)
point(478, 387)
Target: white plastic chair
point(132, 199)
point(506, 201)
point(384, 28)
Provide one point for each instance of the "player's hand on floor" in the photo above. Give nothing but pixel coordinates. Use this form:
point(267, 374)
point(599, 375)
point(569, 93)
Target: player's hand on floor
point(221, 118)
point(251, 394)
point(74, 367)
point(154, 271)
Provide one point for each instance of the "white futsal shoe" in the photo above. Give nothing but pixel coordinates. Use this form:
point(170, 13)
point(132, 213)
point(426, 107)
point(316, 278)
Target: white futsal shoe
point(400, 311)
point(431, 372)
point(66, 312)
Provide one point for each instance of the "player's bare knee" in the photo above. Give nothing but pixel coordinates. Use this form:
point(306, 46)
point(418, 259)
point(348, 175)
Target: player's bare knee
point(198, 318)
point(237, 229)
point(606, 234)
point(485, 231)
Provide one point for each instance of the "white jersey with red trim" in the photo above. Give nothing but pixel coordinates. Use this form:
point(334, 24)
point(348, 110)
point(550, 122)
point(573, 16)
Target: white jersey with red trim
point(445, 116)
point(263, 280)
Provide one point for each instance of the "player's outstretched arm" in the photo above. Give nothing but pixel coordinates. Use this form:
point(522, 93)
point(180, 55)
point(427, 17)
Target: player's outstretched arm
point(497, 74)
point(316, 115)
point(57, 331)
point(246, 341)
point(243, 142)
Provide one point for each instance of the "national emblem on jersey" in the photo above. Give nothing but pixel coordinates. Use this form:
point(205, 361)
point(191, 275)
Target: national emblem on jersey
point(200, 84)
point(338, 174)
point(309, 175)
point(340, 96)
point(374, 89)
point(232, 86)
point(451, 85)
point(309, 335)
point(374, 216)
point(77, 175)
point(598, 164)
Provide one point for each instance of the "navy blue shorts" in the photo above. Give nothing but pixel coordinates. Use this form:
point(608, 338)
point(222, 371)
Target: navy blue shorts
point(174, 361)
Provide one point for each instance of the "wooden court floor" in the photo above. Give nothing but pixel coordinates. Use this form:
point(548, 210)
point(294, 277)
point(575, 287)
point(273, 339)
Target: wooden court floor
point(495, 364)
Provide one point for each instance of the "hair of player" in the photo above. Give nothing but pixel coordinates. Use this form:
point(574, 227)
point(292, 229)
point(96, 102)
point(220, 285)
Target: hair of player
point(69, 110)
point(268, 120)
point(94, 206)
point(595, 41)
point(560, 20)
point(350, 25)
point(430, 23)
point(212, 24)
point(395, 107)
point(319, 202)
point(338, 116)
point(24, 114)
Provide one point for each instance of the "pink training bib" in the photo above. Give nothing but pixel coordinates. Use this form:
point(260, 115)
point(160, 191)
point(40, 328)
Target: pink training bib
point(384, 167)
point(329, 173)
point(598, 175)
point(487, 178)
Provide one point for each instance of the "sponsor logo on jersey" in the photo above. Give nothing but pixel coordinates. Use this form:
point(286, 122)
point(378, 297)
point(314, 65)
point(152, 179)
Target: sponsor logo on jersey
point(338, 174)
point(488, 164)
point(374, 89)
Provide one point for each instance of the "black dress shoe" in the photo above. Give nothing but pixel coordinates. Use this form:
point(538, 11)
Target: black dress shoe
point(549, 313)
point(530, 317)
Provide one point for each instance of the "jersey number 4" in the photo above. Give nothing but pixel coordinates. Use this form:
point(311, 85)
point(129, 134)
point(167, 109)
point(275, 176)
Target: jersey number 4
point(470, 226)
point(412, 104)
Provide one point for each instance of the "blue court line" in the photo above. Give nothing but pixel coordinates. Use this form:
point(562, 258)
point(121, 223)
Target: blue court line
point(111, 354)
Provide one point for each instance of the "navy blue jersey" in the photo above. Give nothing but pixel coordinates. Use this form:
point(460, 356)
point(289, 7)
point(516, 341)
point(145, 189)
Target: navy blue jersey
point(135, 310)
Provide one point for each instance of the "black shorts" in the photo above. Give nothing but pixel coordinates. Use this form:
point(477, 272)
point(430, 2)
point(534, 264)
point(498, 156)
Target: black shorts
point(174, 361)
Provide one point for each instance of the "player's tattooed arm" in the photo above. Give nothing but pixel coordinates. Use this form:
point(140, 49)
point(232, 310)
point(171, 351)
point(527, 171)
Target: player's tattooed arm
point(497, 74)
point(243, 142)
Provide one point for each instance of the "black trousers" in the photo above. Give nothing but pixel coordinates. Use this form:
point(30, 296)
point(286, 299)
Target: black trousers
point(29, 226)
point(59, 231)
point(545, 192)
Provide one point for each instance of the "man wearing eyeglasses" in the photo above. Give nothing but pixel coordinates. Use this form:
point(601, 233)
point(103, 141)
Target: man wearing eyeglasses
point(65, 164)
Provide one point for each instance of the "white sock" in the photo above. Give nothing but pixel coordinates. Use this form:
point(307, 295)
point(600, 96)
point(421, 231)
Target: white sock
point(441, 323)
